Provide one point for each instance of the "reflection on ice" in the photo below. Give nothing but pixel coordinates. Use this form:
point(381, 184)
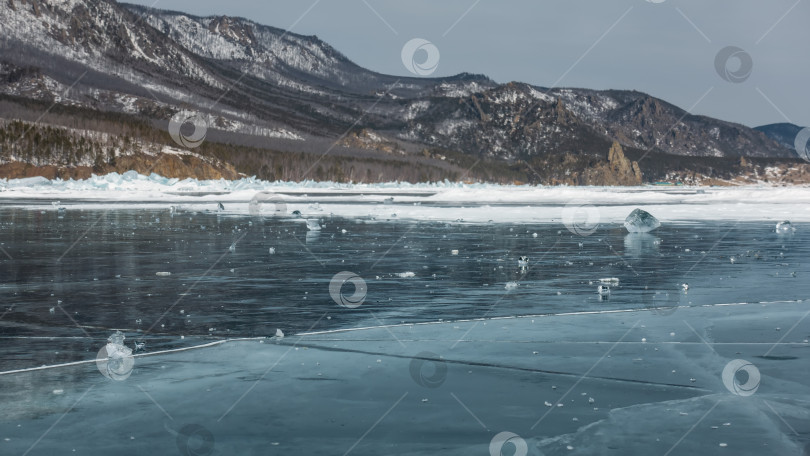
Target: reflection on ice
point(312, 236)
point(639, 245)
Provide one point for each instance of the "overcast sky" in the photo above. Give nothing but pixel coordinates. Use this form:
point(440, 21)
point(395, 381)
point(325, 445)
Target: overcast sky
point(666, 48)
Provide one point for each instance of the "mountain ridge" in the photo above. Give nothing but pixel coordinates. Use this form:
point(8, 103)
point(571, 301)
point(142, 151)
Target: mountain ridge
point(259, 84)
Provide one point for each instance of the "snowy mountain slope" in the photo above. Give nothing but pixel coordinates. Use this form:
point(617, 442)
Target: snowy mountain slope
point(97, 33)
point(264, 52)
point(273, 54)
point(255, 78)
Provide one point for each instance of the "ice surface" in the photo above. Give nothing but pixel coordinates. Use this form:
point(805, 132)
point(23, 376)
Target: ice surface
point(436, 201)
point(634, 382)
point(651, 374)
point(641, 221)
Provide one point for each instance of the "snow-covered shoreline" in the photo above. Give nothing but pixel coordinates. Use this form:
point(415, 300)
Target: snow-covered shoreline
point(473, 203)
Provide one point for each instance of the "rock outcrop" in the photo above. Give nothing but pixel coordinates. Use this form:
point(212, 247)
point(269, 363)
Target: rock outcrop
point(619, 170)
point(626, 172)
point(368, 139)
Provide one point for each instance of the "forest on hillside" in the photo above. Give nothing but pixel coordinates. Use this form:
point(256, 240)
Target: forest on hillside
point(71, 141)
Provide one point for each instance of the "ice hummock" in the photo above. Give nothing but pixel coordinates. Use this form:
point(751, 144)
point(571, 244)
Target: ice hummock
point(641, 221)
point(523, 261)
point(115, 360)
point(313, 225)
point(784, 227)
point(472, 202)
point(116, 338)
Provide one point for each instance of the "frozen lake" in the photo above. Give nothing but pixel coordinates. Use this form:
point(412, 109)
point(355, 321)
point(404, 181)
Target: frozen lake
point(424, 357)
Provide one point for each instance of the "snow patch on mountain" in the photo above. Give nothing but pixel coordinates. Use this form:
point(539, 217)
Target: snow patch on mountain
point(451, 127)
point(415, 109)
point(542, 96)
point(460, 90)
point(47, 25)
point(269, 51)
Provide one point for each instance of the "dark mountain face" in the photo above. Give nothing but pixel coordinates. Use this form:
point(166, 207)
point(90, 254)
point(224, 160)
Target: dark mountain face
point(783, 133)
point(261, 85)
point(520, 121)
